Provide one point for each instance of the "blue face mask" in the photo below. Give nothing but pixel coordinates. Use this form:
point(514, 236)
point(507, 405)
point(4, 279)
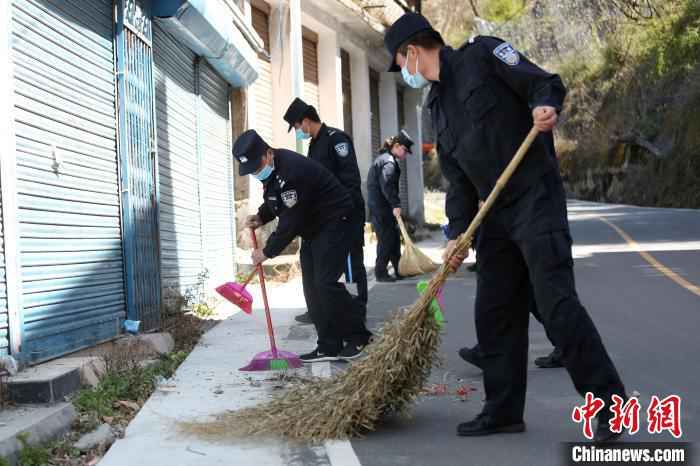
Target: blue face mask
point(301, 135)
point(416, 81)
point(264, 173)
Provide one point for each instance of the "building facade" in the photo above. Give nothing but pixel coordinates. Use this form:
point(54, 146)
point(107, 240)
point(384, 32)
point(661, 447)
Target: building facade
point(331, 54)
point(118, 187)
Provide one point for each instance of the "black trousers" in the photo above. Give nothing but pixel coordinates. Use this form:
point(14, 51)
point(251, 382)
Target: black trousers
point(532, 309)
point(525, 251)
point(355, 272)
point(388, 244)
point(336, 315)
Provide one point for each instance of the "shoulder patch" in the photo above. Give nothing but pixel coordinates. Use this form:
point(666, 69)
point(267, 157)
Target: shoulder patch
point(342, 149)
point(289, 198)
point(507, 54)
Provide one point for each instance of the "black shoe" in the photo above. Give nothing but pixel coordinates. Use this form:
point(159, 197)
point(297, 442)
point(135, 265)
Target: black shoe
point(550, 361)
point(304, 318)
point(398, 276)
point(385, 278)
point(472, 356)
point(484, 425)
point(472, 268)
point(318, 356)
point(603, 434)
point(351, 351)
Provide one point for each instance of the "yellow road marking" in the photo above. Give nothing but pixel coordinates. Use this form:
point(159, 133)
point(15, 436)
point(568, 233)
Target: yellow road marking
point(652, 260)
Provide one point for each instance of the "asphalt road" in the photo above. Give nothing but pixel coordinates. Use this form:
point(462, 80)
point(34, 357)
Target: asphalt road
point(646, 309)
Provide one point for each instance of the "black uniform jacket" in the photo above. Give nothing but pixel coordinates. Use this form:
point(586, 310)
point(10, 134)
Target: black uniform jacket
point(482, 111)
point(333, 149)
point(383, 187)
point(304, 195)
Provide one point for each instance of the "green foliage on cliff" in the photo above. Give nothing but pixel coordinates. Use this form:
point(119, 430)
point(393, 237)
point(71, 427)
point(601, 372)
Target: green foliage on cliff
point(631, 134)
point(500, 11)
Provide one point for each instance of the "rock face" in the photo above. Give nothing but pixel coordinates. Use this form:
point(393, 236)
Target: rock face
point(103, 435)
point(244, 241)
point(552, 31)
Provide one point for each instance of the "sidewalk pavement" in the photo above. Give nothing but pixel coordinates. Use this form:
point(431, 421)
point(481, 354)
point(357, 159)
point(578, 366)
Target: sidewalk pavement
point(208, 383)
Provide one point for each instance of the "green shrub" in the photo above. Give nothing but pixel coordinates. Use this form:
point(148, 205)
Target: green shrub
point(500, 11)
point(31, 455)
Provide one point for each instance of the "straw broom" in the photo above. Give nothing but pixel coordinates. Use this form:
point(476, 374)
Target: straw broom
point(388, 380)
point(413, 261)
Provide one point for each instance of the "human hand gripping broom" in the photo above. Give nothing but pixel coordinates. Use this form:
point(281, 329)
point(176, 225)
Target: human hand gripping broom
point(388, 380)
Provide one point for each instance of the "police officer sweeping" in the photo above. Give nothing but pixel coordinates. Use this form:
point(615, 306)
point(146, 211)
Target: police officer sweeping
point(385, 205)
point(484, 99)
point(310, 203)
point(334, 149)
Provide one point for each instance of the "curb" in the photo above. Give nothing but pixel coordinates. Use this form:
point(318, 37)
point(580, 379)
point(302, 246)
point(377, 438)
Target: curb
point(51, 422)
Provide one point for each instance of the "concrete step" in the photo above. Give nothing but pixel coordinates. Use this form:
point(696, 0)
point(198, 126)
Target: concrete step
point(53, 381)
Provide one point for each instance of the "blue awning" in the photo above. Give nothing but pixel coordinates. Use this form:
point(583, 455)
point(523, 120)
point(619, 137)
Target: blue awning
point(207, 28)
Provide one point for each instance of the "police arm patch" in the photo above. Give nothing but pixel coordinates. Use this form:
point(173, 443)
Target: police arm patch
point(507, 54)
point(289, 198)
point(342, 149)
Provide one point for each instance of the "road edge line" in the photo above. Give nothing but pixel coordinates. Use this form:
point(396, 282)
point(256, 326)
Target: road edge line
point(670, 274)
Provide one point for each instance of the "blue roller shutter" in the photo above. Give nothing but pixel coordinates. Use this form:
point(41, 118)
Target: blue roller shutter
point(70, 246)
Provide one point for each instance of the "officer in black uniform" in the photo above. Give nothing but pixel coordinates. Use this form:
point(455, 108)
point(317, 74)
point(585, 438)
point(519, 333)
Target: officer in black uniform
point(385, 205)
point(485, 98)
point(475, 356)
point(311, 203)
point(334, 149)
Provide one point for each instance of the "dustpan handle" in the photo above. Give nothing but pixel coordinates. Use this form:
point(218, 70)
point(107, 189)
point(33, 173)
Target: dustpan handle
point(250, 277)
point(270, 331)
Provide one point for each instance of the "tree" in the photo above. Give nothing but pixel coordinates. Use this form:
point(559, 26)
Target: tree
point(474, 9)
point(636, 9)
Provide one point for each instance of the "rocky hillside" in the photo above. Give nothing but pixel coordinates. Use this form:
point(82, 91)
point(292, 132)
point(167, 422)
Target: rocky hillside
point(630, 131)
point(552, 32)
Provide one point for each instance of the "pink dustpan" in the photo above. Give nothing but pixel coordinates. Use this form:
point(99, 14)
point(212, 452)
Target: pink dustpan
point(236, 293)
point(267, 360)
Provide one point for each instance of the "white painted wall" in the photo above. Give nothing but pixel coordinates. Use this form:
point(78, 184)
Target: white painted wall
point(388, 106)
point(329, 76)
point(412, 103)
point(361, 122)
point(282, 83)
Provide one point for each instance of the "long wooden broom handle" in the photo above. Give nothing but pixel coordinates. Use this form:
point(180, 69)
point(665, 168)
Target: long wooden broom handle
point(465, 239)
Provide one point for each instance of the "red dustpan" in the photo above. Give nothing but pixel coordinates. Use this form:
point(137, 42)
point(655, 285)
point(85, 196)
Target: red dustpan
point(267, 360)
